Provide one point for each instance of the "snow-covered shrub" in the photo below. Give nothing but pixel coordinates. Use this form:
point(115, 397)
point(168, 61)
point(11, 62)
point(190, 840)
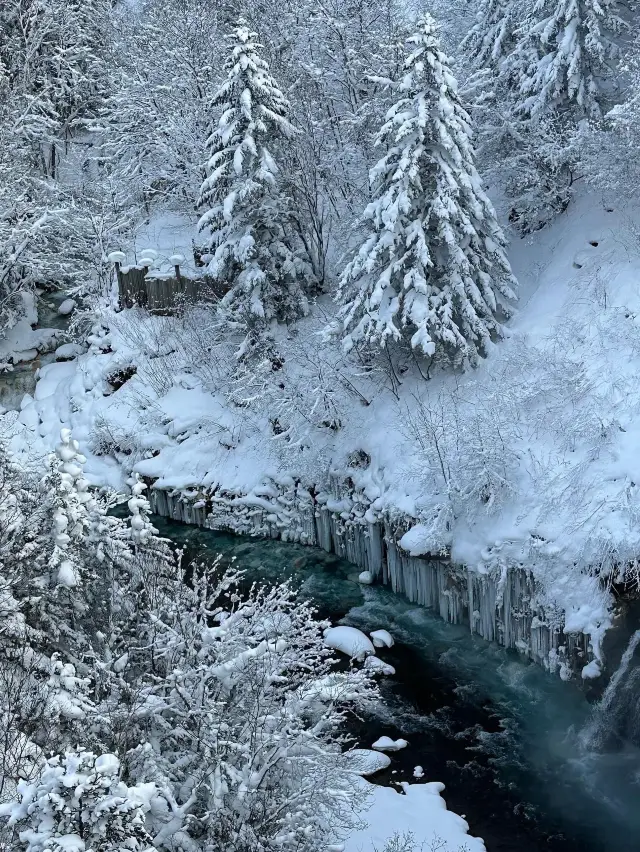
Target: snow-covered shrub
point(78, 803)
point(244, 714)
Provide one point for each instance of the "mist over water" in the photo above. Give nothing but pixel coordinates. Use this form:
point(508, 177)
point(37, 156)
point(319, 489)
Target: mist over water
point(529, 762)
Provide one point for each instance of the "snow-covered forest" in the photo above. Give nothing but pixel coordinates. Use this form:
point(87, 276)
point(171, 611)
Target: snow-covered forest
point(334, 272)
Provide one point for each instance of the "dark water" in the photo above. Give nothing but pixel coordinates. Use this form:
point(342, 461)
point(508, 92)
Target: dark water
point(506, 738)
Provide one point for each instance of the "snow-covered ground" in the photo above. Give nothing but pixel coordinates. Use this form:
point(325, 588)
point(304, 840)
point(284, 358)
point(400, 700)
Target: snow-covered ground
point(532, 459)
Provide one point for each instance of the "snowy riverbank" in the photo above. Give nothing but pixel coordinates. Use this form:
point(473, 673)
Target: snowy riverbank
point(537, 471)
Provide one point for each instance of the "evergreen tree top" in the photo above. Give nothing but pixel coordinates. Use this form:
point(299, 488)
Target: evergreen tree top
point(434, 263)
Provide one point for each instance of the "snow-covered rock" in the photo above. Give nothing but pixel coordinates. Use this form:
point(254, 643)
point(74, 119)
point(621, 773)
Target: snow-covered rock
point(387, 744)
point(350, 641)
point(418, 772)
point(366, 578)
point(592, 670)
point(417, 541)
point(381, 638)
point(68, 351)
point(378, 666)
point(365, 761)
point(67, 307)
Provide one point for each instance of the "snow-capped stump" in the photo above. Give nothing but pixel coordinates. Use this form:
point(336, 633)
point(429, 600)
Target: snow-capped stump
point(350, 641)
point(366, 578)
point(176, 259)
point(377, 666)
point(148, 252)
point(381, 638)
point(387, 744)
point(365, 761)
point(117, 257)
point(67, 307)
point(69, 351)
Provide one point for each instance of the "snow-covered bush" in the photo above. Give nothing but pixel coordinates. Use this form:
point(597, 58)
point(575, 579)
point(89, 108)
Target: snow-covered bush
point(78, 803)
point(244, 713)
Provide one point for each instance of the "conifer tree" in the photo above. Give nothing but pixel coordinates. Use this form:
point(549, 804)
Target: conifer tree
point(563, 59)
point(246, 211)
point(433, 265)
point(492, 36)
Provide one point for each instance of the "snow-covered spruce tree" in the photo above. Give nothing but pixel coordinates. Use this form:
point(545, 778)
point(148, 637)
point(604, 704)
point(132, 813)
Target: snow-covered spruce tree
point(246, 212)
point(492, 37)
point(564, 56)
point(433, 266)
point(76, 804)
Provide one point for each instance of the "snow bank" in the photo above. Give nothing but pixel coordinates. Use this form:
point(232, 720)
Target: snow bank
point(350, 641)
point(420, 811)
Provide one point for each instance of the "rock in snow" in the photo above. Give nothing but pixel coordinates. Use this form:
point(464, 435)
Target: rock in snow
point(364, 761)
point(378, 666)
point(350, 641)
point(67, 307)
point(591, 670)
point(417, 541)
point(381, 638)
point(68, 351)
point(387, 744)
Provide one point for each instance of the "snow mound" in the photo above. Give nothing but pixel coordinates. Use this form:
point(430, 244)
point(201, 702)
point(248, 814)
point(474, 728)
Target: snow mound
point(381, 638)
point(364, 761)
point(421, 812)
point(387, 744)
point(350, 641)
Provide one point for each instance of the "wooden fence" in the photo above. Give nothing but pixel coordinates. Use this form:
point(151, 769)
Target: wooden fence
point(162, 293)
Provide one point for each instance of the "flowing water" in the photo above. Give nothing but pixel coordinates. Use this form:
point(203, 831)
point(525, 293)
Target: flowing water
point(22, 379)
point(518, 750)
